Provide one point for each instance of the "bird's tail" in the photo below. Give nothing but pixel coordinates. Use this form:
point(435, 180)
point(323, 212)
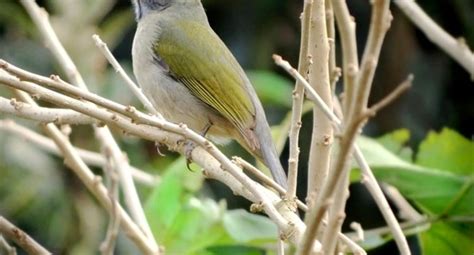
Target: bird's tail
point(268, 151)
point(272, 161)
point(267, 154)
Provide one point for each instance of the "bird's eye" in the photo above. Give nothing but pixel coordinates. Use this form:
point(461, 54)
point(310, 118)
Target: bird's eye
point(163, 2)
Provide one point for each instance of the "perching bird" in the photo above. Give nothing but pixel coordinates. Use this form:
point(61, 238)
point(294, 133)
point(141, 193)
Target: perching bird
point(191, 77)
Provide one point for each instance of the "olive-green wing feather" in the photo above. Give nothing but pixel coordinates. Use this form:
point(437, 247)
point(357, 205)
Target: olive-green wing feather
point(197, 58)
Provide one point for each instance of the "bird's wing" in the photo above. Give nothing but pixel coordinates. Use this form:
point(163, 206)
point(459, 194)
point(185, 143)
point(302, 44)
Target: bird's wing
point(194, 55)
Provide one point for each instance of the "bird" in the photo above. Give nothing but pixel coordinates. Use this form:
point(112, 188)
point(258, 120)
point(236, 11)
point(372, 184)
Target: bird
point(191, 77)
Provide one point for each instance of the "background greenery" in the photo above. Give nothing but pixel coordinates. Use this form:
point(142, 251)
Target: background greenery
point(423, 147)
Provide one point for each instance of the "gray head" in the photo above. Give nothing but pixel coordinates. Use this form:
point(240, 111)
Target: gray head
point(144, 7)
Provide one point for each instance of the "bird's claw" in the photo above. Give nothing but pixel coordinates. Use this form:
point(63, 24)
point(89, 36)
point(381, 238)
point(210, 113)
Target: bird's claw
point(188, 150)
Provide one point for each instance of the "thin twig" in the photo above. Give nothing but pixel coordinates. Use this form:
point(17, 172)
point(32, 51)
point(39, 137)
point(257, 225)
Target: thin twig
point(232, 177)
point(280, 247)
point(89, 157)
point(128, 81)
point(395, 94)
point(43, 114)
point(355, 248)
point(336, 216)
point(334, 71)
point(409, 228)
point(6, 247)
point(374, 189)
point(92, 182)
point(371, 182)
point(407, 211)
point(379, 25)
point(40, 18)
point(309, 90)
point(297, 105)
point(57, 83)
point(358, 230)
point(107, 246)
point(456, 48)
point(21, 238)
point(246, 166)
point(350, 61)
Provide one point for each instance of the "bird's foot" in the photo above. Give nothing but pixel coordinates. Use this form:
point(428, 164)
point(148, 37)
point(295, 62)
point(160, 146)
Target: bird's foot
point(158, 150)
point(189, 146)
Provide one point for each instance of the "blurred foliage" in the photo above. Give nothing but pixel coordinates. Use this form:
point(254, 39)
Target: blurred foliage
point(439, 181)
point(188, 224)
point(41, 196)
point(273, 90)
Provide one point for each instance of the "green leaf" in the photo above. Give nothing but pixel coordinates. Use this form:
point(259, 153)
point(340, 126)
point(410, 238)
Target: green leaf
point(165, 202)
point(448, 151)
point(197, 226)
point(271, 88)
point(396, 141)
point(185, 224)
point(441, 184)
point(235, 250)
point(448, 239)
point(169, 198)
point(433, 190)
point(245, 227)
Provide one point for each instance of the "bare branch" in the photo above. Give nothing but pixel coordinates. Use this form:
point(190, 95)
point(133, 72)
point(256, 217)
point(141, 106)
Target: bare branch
point(350, 62)
point(22, 239)
point(309, 90)
point(128, 81)
point(371, 183)
point(374, 189)
point(246, 166)
point(319, 78)
point(213, 165)
point(407, 212)
point(40, 18)
point(396, 93)
point(43, 114)
point(297, 106)
point(6, 247)
point(379, 25)
point(456, 48)
point(89, 157)
point(107, 247)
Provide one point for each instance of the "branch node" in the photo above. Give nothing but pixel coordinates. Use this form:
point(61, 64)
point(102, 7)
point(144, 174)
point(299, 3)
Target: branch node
point(352, 70)
point(327, 140)
point(97, 180)
point(3, 64)
point(55, 77)
point(183, 126)
point(131, 109)
point(396, 93)
point(66, 130)
point(289, 232)
point(256, 207)
point(114, 117)
point(36, 96)
point(207, 144)
point(18, 105)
